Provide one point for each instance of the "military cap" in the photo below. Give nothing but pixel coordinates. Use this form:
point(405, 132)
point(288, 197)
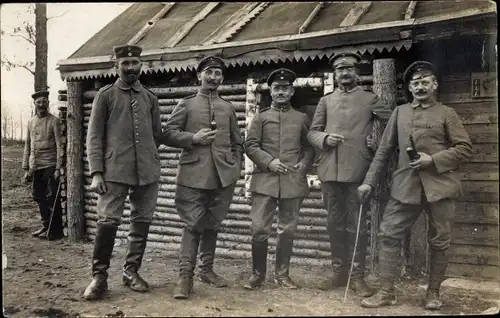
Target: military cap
point(417, 70)
point(210, 61)
point(283, 74)
point(127, 51)
point(346, 59)
point(40, 94)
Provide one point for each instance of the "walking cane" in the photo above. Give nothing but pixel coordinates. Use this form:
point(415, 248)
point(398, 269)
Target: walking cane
point(53, 208)
point(354, 252)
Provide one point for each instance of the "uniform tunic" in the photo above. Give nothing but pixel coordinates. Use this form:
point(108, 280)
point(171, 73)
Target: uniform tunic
point(437, 131)
point(43, 146)
point(281, 134)
point(348, 113)
point(123, 134)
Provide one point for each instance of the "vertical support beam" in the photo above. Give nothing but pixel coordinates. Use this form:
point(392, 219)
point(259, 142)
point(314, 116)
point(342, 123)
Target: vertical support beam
point(384, 85)
point(251, 108)
point(74, 163)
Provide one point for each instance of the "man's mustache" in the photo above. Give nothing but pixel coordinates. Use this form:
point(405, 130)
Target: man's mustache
point(421, 91)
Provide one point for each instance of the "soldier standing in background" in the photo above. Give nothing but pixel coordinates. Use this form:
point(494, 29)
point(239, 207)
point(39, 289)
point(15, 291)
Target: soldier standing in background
point(42, 159)
point(122, 149)
point(206, 127)
point(426, 177)
point(277, 144)
point(341, 127)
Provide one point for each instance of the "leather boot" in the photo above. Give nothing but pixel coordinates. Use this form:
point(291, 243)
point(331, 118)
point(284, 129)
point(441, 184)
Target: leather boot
point(259, 265)
point(385, 296)
point(208, 244)
point(103, 247)
point(357, 283)
point(339, 258)
point(137, 240)
point(284, 249)
point(439, 263)
point(187, 262)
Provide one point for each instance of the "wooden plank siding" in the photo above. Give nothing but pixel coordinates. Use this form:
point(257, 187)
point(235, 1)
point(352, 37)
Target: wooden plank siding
point(475, 235)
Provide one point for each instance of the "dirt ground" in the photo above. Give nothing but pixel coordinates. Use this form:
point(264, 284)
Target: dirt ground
point(46, 279)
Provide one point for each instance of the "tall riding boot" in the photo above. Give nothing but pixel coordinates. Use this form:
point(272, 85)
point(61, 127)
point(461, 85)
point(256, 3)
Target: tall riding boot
point(338, 250)
point(208, 244)
point(284, 249)
point(358, 283)
point(187, 262)
point(259, 264)
point(103, 247)
point(439, 263)
point(388, 264)
point(137, 240)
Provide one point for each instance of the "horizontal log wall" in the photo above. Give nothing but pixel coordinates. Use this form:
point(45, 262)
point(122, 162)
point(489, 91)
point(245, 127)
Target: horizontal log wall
point(312, 240)
point(475, 236)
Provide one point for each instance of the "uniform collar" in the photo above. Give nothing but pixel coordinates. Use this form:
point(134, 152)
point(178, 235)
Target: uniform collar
point(283, 108)
point(207, 93)
point(126, 86)
point(416, 103)
point(347, 90)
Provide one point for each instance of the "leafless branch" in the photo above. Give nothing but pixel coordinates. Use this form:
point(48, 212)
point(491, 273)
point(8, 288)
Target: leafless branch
point(10, 65)
point(29, 39)
point(57, 16)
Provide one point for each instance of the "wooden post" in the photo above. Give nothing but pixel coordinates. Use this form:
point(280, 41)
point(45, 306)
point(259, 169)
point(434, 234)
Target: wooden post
point(250, 110)
point(74, 163)
point(384, 85)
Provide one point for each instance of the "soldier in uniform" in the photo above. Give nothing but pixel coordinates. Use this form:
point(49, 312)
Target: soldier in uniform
point(122, 148)
point(430, 181)
point(205, 126)
point(341, 127)
point(43, 154)
point(277, 144)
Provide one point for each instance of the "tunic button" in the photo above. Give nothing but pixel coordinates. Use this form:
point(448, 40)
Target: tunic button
point(137, 134)
point(137, 141)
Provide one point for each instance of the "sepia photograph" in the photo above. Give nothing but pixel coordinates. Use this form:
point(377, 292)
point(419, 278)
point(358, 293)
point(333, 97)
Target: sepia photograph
point(229, 159)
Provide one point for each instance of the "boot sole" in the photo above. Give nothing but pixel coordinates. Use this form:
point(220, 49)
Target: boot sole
point(433, 307)
point(94, 297)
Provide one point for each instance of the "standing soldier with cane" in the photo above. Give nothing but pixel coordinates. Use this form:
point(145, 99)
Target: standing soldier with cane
point(122, 148)
point(43, 155)
point(433, 144)
point(206, 127)
point(341, 128)
point(277, 143)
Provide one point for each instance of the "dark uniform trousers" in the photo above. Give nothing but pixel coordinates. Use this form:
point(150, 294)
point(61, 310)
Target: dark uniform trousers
point(342, 205)
point(397, 220)
point(262, 212)
point(202, 211)
point(110, 208)
point(45, 193)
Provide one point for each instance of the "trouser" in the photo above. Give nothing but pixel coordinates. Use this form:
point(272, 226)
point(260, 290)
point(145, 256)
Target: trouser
point(202, 211)
point(110, 210)
point(342, 205)
point(45, 194)
point(262, 211)
point(398, 218)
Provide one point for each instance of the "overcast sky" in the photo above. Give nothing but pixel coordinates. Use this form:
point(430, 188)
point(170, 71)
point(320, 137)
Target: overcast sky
point(65, 35)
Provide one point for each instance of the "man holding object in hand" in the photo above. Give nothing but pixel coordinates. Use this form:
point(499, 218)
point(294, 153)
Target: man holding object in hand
point(430, 181)
point(341, 130)
point(277, 144)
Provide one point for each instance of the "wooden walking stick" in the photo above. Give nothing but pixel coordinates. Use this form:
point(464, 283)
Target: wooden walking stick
point(354, 252)
point(53, 208)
